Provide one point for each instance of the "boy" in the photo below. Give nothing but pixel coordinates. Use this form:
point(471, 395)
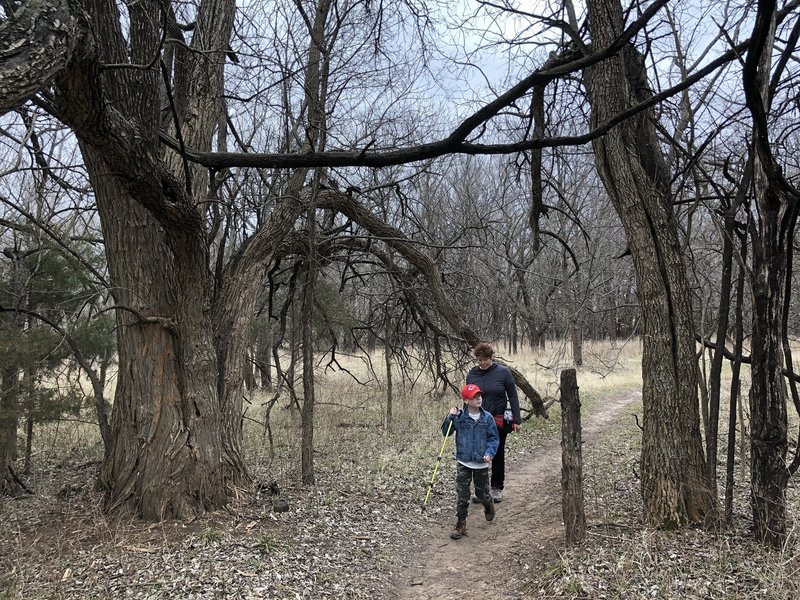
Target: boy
point(476, 444)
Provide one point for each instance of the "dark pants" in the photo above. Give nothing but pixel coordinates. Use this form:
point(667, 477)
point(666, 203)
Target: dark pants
point(465, 476)
point(499, 462)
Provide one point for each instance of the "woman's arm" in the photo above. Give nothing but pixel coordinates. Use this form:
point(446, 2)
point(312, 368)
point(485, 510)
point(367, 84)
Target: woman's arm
point(513, 399)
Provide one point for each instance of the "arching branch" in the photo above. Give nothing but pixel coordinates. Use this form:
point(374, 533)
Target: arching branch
point(395, 238)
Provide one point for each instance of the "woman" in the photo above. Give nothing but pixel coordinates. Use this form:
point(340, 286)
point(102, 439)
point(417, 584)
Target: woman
point(497, 385)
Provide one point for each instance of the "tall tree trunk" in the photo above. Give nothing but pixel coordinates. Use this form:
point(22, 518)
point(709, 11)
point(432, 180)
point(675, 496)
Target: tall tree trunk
point(723, 322)
point(316, 83)
point(773, 234)
point(577, 345)
point(166, 459)
point(634, 173)
point(10, 392)
point(735, 401)
point(176, 419)
point(309, 396)
point(8, 429)
point(387, 355)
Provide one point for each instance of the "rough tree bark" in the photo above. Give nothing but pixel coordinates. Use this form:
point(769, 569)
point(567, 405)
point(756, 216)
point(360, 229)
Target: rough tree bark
point(10, 380)
point(572, 507)
point(35, 45)
point(634, 173)
point(8, 430)
point(772, 231)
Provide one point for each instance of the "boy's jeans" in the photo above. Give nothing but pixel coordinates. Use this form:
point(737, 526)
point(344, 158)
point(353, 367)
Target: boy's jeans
point(464, 476)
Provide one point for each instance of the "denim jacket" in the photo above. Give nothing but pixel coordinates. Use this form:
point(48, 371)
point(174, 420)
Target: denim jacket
point(474, 439)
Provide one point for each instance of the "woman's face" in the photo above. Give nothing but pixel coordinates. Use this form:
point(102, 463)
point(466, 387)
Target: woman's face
point(484, 362)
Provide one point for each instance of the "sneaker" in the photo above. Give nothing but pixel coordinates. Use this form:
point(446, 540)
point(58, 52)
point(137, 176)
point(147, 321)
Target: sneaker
point(488, 511)
point(460, 530)
point(497, 494)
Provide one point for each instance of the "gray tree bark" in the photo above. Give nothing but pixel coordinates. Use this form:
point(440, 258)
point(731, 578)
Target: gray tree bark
point(634, 173)
point(773, 235)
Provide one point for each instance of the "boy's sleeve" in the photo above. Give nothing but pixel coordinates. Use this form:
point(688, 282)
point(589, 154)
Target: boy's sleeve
point(446, 424)
point(493, 438)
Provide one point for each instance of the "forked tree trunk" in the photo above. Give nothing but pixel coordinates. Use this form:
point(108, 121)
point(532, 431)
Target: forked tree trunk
point(634, 173)
point(773, 237)
point(176, 420)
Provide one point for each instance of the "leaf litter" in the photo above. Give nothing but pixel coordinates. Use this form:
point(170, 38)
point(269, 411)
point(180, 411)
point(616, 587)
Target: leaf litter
point(360, 533)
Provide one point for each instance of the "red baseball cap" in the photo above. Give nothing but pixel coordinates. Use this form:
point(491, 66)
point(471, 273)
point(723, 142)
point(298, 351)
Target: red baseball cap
point(469, 391)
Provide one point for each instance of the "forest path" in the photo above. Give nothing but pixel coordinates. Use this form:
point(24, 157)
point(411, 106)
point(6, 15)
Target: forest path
point(491, 560)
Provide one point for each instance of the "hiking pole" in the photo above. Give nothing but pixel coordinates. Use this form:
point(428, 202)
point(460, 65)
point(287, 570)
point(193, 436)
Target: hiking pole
point(438, 462)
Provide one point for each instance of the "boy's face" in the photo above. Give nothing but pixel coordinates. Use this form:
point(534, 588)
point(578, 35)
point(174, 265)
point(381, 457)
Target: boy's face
point(475, 402)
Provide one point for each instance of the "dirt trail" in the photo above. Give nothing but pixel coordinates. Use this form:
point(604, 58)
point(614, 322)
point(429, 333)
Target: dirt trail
point(526, 531)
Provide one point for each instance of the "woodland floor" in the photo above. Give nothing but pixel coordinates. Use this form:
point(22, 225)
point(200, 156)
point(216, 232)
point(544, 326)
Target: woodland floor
point(360, 532)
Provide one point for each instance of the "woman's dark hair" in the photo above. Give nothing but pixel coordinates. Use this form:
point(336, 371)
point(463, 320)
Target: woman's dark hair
point(483, 350)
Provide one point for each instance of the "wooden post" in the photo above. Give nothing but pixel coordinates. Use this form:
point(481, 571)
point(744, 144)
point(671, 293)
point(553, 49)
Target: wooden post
point(571, 460)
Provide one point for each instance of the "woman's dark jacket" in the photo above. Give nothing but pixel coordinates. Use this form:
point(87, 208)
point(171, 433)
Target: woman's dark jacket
point(497, 385)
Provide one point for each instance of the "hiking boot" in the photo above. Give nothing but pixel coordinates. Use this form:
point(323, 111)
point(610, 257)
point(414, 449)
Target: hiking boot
point(497, 494)
point(488, 511)
point(476, 500)
point(460, 530)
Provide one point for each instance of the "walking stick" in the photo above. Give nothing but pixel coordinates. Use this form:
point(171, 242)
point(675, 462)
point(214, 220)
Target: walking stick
point(438, 462)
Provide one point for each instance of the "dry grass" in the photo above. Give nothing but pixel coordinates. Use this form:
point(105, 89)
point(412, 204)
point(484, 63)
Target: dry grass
point(347, 536)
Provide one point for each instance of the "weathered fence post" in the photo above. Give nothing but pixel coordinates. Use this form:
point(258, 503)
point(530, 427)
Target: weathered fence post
point(571, 461)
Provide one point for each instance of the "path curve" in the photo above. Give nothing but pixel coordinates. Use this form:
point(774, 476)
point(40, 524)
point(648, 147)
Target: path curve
point(490, 562)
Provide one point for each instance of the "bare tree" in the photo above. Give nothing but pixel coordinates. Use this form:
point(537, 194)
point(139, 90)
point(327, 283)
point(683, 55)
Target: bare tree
point(772, 232)
point(176, 444)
